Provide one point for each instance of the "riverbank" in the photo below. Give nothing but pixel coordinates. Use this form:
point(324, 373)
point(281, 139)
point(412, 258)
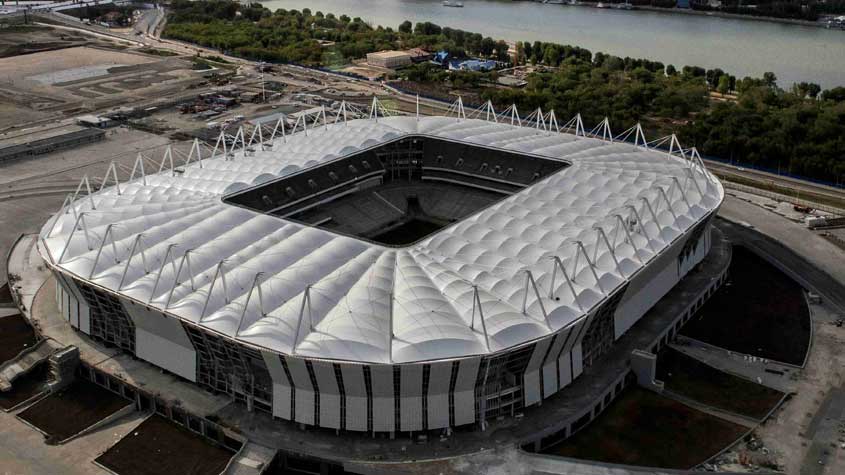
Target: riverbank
point(690, 11)
point(795, 52)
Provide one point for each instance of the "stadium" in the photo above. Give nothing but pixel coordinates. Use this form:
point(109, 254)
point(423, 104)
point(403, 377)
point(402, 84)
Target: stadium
point(385, 274)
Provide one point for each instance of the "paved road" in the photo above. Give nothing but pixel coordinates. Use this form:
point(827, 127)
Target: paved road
point(810, 259)
point(794, 183)
point(738, 364)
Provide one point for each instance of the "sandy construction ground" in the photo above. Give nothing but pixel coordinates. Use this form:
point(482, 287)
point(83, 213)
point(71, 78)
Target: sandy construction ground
point(69, 64)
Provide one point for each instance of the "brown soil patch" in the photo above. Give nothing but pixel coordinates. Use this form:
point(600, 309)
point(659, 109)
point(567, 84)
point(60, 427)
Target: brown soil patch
point(646, 429)
point(759, 311)
point(173, 449)
point(15, 336)
point(700, 382)
point(73, 409)
point(24, 387)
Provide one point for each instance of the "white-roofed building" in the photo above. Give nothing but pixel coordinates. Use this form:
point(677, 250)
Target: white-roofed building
point(385, 274)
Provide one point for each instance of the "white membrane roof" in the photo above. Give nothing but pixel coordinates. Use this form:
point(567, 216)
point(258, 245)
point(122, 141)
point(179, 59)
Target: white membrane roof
point(372, 303)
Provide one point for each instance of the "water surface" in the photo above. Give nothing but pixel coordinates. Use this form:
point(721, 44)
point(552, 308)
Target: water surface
point(741, 47)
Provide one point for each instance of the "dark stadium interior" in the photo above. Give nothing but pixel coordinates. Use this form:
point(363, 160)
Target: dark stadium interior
point(399, 192)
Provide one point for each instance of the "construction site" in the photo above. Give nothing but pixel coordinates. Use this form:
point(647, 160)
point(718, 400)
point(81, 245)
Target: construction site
point(735, 368)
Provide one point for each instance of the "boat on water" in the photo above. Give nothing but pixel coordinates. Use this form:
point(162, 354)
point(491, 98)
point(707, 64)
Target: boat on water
point(624, 6)
point(452, 3)
point(601, 5)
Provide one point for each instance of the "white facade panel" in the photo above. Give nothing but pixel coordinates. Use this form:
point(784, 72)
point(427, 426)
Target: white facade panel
point(550, 379)
point(356, 396)
point(531, 379)
point(439, 379)
point(410, 402)
point(575, 335)
point(303, 391)
point(531, 386)
point(162, 340)
point(64, 302)
point(384, 412)
point(633, 307)
point(63, 299)
point(80, 314)
point(702, 247)
point(465, 391)
point(281, 386)
point(577, 361)
point(329, 394)
point(564, 367)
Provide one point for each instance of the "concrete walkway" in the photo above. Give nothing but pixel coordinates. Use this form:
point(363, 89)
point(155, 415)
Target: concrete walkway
point(252, 460)
point(813, 261)
point(25, 264)
point(738, 364)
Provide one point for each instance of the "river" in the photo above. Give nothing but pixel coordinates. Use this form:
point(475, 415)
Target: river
point(741, 47)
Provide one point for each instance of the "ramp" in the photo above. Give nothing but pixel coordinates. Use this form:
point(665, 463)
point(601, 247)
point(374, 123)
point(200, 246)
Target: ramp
point(24, 362)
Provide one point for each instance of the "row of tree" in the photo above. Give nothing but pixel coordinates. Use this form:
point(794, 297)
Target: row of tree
point(799, 130)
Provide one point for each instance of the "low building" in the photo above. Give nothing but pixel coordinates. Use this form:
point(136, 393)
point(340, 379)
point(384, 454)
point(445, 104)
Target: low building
point(39, 143)
point(419, 55)
point(441, 58)
point(389, 59)
point(251, 97)
point(269, 119)
point(511, 81)
point(473, 65)
point(100, 122)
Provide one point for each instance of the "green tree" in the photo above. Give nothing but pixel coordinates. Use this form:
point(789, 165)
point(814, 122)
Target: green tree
point(724, 86)
point(770, 80)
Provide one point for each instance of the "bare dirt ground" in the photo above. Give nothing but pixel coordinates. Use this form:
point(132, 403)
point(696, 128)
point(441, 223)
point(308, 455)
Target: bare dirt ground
point(17, 40)
point(79, 79)
point(174, 449)
point(647, 429)
point(73, 409)
point(15, 336)
point(696, 380)
point(53, 66)
point(789, 433)
point(22, 449)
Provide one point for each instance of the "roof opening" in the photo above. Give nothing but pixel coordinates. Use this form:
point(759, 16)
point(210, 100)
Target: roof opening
point(399, 192)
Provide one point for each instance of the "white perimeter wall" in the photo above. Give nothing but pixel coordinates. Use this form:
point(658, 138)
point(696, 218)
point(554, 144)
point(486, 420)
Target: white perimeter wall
point(72, 305)
point(653, 282)
point(162, 340)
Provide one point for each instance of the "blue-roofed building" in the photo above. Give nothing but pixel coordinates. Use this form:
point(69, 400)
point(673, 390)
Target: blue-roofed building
point(441, 57)
point(473, 65)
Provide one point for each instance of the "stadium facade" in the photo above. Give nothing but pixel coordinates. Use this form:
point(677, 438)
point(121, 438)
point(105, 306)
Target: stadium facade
point(385, 274)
